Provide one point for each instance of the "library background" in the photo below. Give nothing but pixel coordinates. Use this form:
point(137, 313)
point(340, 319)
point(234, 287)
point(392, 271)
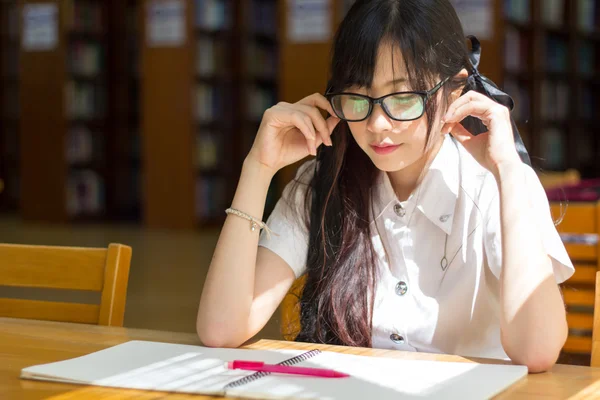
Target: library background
point(139, 113)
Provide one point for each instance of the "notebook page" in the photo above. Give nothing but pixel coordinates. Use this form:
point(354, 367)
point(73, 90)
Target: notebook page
point(155, 366)
point(384, 378)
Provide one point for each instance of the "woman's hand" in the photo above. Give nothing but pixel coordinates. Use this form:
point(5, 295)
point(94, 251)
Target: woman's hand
point(290, 132)
point(491, 149)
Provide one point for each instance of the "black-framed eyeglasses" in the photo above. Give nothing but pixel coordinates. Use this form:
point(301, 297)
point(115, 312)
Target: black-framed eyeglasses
point(399, 106)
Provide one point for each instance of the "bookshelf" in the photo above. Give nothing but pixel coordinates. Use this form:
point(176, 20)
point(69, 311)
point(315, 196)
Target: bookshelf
point(64, 142)
point(552, 69)
point(194, 145)
point(9, 110)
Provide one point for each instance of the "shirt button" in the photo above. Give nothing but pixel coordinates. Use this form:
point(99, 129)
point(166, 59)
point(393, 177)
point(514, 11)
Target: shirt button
point(401, 288)
point(394, 337)
point(399, 210)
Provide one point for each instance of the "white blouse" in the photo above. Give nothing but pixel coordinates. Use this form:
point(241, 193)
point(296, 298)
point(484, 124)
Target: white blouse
point(420, 306)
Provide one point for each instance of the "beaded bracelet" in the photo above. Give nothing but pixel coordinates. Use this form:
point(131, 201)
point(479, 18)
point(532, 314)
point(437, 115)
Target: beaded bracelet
point(254, 224)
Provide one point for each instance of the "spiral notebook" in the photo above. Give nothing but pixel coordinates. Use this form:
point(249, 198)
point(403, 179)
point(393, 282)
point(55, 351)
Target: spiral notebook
point(199, 370)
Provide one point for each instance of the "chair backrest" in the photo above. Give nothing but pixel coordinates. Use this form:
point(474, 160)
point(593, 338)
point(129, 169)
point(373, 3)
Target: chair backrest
point(551, 180)
point(290, 310)
point(101, 270)
point(579, 229)
point(595, 361)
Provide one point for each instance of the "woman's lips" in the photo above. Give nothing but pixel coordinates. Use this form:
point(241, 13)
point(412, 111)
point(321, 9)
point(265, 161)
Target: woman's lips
point(385, 149)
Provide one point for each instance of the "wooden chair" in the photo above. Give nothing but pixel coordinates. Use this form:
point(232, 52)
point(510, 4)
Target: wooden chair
point(579, 228)
point(595, 361)
point(290, 310)
point(552, 180)
point(100, 270)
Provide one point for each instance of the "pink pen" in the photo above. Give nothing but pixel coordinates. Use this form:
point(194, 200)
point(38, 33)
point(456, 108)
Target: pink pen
point(284, 369)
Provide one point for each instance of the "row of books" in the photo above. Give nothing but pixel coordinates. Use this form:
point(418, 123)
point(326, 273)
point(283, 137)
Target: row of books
point(213, 103)
point(86, 58)
point(258, 100)
point(588, 15)
point(521, 96)
point(517, 50)
point(211, 196)
point(553, 12)
point(517, 10)
point(588, 102)
point(555, 100)
point(213, 57)
point(553, 148)
point(85, 193)
point(587, 59)
point(83, 146)
point(85, 100)
point(214, 15)
point(208, 149)
point(261, 60)
point(556, 53)
point(262, 17)
point(84, 16)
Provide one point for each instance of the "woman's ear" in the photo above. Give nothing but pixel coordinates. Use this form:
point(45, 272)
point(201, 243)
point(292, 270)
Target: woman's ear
point(462, 76)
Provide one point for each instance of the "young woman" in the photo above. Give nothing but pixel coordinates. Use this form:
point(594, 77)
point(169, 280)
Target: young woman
point(413, 233)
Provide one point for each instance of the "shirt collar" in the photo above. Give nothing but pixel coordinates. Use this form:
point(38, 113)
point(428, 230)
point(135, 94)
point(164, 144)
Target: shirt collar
point(437, 194)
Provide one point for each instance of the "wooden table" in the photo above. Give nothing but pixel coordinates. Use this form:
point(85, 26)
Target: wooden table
point(24, 343)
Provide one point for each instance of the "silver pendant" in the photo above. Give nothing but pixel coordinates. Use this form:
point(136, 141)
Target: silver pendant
point(444, 263)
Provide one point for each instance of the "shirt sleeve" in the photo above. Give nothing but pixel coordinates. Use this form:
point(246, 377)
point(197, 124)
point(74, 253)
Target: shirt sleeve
point(290, 238)
point(561, 263)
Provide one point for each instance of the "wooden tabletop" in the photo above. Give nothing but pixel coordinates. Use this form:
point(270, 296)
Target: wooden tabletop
point(24, 343)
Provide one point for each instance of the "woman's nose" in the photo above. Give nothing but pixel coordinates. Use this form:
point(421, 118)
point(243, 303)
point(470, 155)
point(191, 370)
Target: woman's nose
point(379, 121)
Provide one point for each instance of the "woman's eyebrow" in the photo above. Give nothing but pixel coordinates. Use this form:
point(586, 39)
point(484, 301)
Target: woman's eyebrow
point(396, 81)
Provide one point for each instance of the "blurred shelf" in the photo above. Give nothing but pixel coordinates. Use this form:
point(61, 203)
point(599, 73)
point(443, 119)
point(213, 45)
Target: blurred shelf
point(524, 25)
point(266, 82)
point(521, 75)
point(554, 75)
point(593, 35)
point(86, 35)
point(557, 30)
point(95, 166)
point(265, 38)
point(94, 80)
point(220, 34)
point(215, 79)
point(94, 123)
point(590, 79)
point(560, 124)
point(584, 123)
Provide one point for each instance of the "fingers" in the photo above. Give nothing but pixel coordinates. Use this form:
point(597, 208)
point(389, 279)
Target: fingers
point(332, 122)
point(304, 125)
point(317, 100)
point(476, 105)
point(318, 121)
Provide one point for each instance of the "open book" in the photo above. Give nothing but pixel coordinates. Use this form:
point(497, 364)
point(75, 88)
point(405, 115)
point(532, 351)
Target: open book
point(200, 370)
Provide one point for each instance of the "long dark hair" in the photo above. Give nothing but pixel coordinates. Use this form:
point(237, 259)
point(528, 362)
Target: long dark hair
point(336, 304)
